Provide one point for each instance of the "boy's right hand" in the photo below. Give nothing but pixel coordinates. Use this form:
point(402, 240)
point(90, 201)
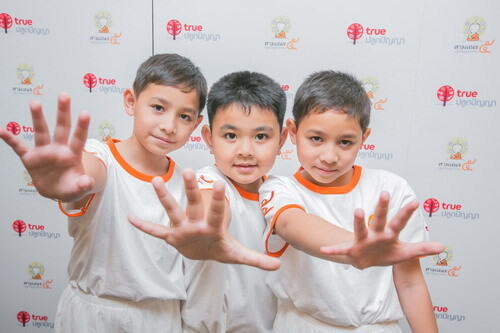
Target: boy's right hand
point(197, 236)
point(55, 166)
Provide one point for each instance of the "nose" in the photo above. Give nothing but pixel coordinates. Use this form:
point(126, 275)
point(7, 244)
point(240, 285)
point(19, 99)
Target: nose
point(245, 148)
point(329, 155)
point(168, 124)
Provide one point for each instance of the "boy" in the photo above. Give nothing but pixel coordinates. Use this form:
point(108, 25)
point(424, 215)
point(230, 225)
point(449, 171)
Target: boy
point(331, 116)
point(244, 134)
point(120, 279)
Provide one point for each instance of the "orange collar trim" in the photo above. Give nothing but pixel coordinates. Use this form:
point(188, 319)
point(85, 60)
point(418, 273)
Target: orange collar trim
point(137, 174)
point(330, 189)
point(245, 194)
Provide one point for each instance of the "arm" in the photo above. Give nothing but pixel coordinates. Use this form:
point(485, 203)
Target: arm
point(56, 166)
point(198, 235)
point(414, 297)
point(374, 245)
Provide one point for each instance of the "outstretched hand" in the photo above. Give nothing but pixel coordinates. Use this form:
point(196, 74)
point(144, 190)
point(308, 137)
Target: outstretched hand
point(198, 235)
point(378, 244)
point(55, 166)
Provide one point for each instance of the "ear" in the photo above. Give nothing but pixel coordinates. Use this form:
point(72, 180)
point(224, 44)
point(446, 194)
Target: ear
point(198, 122)
point(206, 133)
point(366, 134)
point(283, 136)
point(292, 130)
point(129, 101)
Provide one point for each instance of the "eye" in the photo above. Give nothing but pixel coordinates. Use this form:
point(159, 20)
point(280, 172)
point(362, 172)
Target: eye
point(184, 116)
point(315, 139)
point(158, 108)
point(261, 136)
point(230, 136)
point(346, 142)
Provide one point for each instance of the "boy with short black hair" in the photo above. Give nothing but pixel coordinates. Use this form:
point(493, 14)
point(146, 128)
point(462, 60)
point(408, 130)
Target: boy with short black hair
point(331, 116)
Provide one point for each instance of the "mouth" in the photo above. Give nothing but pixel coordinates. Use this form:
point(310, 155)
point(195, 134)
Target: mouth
point(163, 141)
point(324, 171)
point(245, 167)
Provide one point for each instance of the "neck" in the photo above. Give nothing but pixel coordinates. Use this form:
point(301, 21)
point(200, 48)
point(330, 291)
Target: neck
point(141, 159)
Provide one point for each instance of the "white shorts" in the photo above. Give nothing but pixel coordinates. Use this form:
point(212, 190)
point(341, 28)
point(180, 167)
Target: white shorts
point(79, 312)
point(289, 320)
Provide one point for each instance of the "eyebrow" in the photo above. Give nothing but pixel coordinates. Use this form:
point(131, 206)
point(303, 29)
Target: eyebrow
point(319, 133)
point(166, 102)
point(257, 129)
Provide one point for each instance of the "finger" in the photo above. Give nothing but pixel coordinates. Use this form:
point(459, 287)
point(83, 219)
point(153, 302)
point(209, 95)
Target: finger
point(14, 142)
point(380, 217)
point(195, 208)
point(399, 221)
point(359, 226)
point(79, 137)
point(85, 183)
point(42, 134)
point(417, 250)
point(216, 213)
point(174, 212)
point(253, 258)
point(152, 229)
point(341, 249)
point(63, 122)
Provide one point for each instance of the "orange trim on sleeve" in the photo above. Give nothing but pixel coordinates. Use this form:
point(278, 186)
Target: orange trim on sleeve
point(137, 174)
point(272, 224)
point(328, 189)
point(81, 211)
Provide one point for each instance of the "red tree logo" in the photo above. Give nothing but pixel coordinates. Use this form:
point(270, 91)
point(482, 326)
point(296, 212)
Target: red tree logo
point(355, 32)
point(5, 21)
point(431, 206)
point(90, 81)
point(19, 226)
point(23, 317)
point(445, 94)
point(13, 127)
point(174, 27)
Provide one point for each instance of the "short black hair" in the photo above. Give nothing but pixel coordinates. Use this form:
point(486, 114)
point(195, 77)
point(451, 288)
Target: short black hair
point(170, 69)
point(327, 90)
point(247, 89)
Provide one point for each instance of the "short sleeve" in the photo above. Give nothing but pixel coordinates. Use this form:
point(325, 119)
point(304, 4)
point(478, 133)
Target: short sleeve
point(276, 195)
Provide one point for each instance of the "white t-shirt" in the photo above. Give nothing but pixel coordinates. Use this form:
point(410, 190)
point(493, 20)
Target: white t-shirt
point(240, 301)
point(110, 257)
point(335, 293)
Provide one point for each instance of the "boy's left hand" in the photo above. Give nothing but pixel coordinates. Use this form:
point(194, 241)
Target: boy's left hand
point(379, 244)
point(196, 236)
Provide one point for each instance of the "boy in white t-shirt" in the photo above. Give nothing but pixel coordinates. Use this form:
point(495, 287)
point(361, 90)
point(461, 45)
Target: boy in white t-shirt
point(246, 111)
point(122, 280)
point(331, 116)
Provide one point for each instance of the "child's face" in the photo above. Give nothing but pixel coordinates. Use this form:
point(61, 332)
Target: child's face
point(244, 145)
point(327, 146)
point(164, 117)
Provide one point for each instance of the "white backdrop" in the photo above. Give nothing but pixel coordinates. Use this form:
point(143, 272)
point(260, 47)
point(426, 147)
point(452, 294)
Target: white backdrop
point(411, 57)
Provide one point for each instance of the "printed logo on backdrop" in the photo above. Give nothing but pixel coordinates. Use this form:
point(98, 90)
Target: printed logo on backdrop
point(474, 37)
point(103, 23)
point(449, 211)
point(286, 154)
point(466, 99)
point(24, 229)
point(289, 95)
point(26, 132)
point(190, 31)
point(33, 320)
point(457, 156)
point(443, 264)
point(104, 85)
point(26, 81)
point(37, 280)
point(281, 38)
point(370, 151)
point(195, 143)
point(106, 130)
point(442, 312)
point(372, 86)
point(370, 35)
point(28, 188)
point(23, 26)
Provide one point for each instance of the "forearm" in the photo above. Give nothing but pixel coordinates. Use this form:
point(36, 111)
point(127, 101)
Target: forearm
point(414, 297)
point(308, 233)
